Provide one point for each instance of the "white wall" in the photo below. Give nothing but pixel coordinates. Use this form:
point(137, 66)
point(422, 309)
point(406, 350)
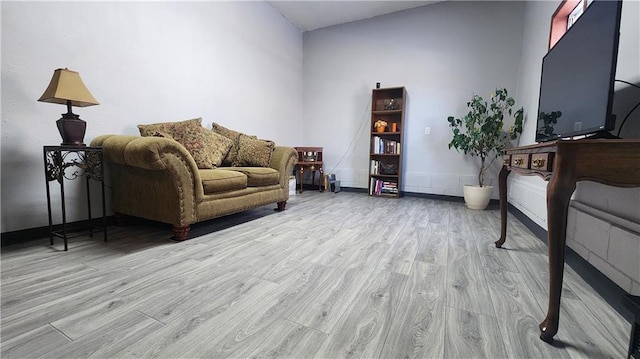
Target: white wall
point(236, 63)
point(604, 222)
point(442, 54)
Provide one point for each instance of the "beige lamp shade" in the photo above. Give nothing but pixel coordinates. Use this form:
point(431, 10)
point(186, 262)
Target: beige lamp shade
point(66, 85)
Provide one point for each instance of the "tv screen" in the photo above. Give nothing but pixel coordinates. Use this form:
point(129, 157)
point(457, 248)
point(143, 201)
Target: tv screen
point(578, 74)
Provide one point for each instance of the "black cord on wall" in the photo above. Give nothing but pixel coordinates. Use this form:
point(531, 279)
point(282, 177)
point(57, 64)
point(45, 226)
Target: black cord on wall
point(630, 112)
point(355, 137)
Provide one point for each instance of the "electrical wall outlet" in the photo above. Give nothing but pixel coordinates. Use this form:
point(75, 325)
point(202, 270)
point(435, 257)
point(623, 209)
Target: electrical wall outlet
point(427, 130)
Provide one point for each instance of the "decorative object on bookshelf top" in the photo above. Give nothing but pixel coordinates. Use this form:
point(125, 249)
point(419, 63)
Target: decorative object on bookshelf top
point(390, 104)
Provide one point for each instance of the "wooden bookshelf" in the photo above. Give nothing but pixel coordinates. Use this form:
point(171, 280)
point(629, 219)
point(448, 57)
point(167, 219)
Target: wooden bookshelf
point(386, 148)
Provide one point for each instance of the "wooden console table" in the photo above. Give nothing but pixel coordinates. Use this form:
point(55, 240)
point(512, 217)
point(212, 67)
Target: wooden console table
point(563, 163)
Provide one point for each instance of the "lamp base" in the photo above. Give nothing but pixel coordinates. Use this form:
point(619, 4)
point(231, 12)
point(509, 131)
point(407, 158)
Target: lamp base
point(72, 130)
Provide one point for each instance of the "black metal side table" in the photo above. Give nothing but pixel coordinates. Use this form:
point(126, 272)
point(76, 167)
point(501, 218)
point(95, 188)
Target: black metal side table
point(87, 162)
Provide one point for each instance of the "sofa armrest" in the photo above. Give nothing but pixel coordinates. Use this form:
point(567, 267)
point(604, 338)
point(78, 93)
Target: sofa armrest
point(145, 152)
point(152, 170)
point(283, 159)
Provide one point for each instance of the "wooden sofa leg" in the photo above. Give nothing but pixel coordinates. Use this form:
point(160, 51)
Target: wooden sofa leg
point(180, 233)
point(281, 206)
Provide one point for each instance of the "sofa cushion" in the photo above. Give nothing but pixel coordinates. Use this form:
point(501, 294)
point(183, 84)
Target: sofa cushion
point(259, 176)
point(234, 136)
point(205, 146)
point(253, 152)
point(220, 180)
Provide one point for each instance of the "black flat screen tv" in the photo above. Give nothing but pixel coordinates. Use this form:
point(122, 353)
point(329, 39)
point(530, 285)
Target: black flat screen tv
point(578, 74)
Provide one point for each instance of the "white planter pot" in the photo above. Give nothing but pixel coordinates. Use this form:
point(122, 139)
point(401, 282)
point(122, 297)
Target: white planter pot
point(476, 197)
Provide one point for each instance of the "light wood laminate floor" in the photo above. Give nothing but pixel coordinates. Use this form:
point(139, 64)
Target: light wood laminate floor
point(334, 276)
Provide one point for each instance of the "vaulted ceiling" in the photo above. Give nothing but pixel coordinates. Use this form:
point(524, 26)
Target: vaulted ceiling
point(311, 15)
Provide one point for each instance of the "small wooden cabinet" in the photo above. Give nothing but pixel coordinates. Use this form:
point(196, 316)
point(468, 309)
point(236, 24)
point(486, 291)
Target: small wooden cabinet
point(311, 159)
point(386, 141)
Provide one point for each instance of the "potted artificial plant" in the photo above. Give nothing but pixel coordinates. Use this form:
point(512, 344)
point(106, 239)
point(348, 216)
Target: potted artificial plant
point(480, 133)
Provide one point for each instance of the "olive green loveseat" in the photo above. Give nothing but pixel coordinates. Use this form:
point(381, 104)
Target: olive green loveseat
point(156, 178)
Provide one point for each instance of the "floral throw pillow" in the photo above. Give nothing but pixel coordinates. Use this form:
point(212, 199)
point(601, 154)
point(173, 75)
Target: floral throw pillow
point(167, 127)
point(253, 152)
point(161, 134)
point(206, 147)
point(219, 148)
point(232, 157)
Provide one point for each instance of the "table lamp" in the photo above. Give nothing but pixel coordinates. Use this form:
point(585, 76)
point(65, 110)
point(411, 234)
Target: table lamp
point(66, 88)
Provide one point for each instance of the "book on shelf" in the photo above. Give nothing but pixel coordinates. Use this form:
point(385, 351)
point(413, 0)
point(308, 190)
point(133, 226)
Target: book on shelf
point(378, 167)
point(379, 187)
point(382, 146)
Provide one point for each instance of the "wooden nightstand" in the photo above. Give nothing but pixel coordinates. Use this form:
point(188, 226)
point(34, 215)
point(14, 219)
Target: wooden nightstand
point(310, 158)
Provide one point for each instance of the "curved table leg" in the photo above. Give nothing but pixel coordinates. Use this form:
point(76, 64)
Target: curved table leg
point(300, 176)
point(559, 191)
point(502, 187)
